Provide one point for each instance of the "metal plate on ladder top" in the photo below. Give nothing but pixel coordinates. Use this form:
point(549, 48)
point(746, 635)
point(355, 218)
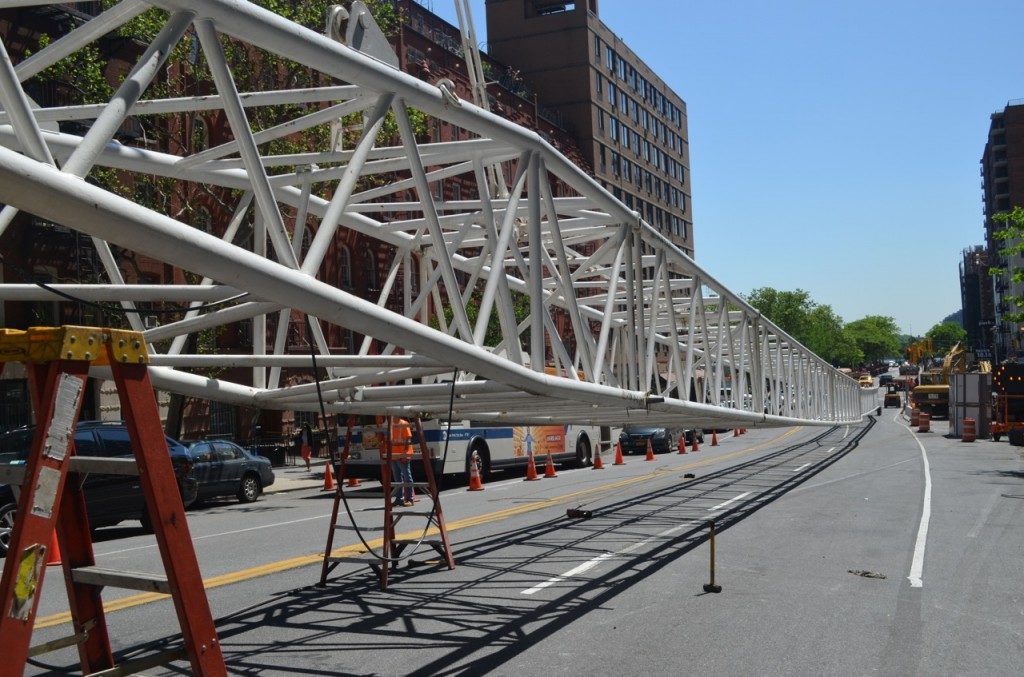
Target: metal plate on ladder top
point(58, 435)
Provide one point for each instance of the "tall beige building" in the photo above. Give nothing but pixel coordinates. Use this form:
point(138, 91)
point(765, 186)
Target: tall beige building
point(630, 124)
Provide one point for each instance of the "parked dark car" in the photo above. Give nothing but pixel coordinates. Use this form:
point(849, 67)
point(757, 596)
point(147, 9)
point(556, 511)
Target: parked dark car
point(109, 499)
point(223, 468)
point(634, 438)
point(885, 379)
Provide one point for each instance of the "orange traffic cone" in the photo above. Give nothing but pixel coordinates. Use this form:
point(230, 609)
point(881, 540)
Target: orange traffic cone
point(328, 477)
point(714, 438)
point(682, 443)
point(618, 455)
point(475, 483)
point(531, 470)
point(598, 461)
point(696, 443)
point(735, 432)
point(650, 451)
point(549, 469)
point(53, 553)
point(352, 482)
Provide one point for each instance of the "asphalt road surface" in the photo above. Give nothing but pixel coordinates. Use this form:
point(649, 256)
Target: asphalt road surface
point(844, 551)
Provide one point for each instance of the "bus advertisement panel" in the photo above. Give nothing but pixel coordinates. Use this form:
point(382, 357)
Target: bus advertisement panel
point(496, 446)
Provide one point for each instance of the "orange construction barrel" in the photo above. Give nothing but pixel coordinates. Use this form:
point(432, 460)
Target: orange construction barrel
point(923, 421)
point(970, 430)
point(914, 417)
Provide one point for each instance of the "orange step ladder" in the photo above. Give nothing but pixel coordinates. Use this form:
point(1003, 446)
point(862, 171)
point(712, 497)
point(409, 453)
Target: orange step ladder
point(57, 361)
point(392, 547)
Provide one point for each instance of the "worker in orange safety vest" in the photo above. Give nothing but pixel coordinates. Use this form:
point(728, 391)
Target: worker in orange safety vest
point(401, 459)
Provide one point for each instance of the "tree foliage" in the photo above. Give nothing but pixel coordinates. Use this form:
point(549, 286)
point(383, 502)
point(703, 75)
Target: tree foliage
point(816, 326)
point(876, 336)
point(1011, 235)
point(945, 335)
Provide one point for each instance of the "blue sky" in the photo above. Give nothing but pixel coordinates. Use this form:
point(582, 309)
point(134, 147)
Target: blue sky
point(834, 146)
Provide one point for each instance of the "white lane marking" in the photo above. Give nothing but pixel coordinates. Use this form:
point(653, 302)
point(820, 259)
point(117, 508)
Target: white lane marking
point(731, 500)
point(223, 533)
point(917, 564)
point(591, 563)
point(847, 433)
point(802, 467)
point(575, 571)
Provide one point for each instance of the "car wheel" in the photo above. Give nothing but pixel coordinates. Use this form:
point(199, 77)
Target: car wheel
point(189, 489)
point(249, 490)
point(7, 514)
point(583, 456)
point(995, 437)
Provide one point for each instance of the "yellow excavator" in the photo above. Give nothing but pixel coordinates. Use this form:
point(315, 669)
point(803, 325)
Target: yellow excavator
point(932, 392)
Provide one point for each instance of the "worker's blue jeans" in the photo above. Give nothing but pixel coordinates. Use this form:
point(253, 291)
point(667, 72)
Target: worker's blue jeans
point(402, 472)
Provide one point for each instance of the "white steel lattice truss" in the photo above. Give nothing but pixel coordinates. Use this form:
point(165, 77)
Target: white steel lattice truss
point(645, 317)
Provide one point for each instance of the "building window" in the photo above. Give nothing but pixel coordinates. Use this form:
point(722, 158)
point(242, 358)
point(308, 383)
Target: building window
point(625, 137)
point(609, 58)
point(614, 128)
point(345, 268)
point(621, 67)
point(636, 143)
point(616, 165)
point(222, 419)
point(597, 77)
point(370, 261)
point(612, 98)
point(597, 48)
point(623, 102)
point(600, 120)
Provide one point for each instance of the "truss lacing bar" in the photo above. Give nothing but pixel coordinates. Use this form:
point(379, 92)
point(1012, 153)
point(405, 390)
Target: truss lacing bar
point(392, 547)
point(57, 361)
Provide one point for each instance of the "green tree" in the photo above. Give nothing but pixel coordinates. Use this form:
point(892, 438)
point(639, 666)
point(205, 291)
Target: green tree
point(828, 338)
point(1012, 237)
point(876, 336)
point(790, 310)
point(945, 335)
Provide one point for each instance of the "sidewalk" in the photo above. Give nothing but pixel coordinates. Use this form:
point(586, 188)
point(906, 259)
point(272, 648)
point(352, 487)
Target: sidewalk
point(296, 477)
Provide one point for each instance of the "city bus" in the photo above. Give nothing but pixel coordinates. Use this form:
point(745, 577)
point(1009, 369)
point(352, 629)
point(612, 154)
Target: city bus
point(497, 447)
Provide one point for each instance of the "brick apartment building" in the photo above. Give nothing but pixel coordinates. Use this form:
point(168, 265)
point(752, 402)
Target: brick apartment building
point(631, 126)
point(1002, 173)
point(428, 48)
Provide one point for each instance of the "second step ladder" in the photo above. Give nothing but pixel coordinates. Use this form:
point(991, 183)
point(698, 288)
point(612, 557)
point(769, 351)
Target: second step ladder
point(397, 443)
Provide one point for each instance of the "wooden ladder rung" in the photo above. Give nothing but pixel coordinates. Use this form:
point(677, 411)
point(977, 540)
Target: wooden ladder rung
point(137, 665)
point(432, 542)
point(364, 558)
point(103, 465)
point(415, 485)
point(130, 580)
point(405, 512)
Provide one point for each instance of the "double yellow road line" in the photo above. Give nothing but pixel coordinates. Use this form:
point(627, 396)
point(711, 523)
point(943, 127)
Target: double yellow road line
point(357, 548)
